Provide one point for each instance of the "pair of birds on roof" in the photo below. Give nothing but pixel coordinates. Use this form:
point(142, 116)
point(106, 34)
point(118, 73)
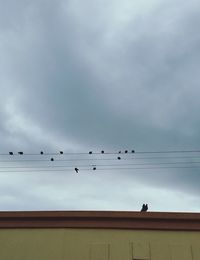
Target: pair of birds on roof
point(144, 207)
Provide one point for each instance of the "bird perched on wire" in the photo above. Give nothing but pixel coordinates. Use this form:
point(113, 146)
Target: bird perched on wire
point(144, 208)
point(76, 170)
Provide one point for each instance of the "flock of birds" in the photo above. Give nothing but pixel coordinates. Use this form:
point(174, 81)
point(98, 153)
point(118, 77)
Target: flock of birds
point(144, 206)
point(119, 157)
point(76, 169)
point(101, 160)
point(61, 152)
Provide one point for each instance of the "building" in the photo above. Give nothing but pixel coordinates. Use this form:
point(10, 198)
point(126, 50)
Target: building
point(104, 235)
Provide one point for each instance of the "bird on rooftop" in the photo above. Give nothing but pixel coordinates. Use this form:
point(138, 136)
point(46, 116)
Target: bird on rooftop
point(133, 151)
point(61, 152)
point(20, 153)
point(119, 158)
point(90, 152)
point(94, 168)
point(126, 151)
point(10, 153)
point(41, 152)
point(144, 208)
point(102, 151)
point(52, 159)
point(76, 170)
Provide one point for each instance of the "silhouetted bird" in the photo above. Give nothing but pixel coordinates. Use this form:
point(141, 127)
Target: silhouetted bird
point(20, 153)
point(119, 158)
point(11, 153)
point(133, 151)
point(61, 152)
point(144, 207)
point(126, 151)
point(41, 152)
point(94, 168)
point(102, 151)
point(52, 159)
point(119, 151)
point(76, 170)
point(90, 152)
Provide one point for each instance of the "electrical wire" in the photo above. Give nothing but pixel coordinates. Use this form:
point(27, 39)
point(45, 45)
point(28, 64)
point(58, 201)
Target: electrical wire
point(96, 165)
point(101, 159)
point(103, 169)
point(42, 153)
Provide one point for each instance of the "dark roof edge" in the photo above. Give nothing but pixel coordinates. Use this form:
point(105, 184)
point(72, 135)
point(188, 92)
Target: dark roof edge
point(101, 220)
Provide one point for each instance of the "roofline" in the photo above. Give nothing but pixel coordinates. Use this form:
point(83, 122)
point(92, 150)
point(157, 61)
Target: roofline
point(101, 220)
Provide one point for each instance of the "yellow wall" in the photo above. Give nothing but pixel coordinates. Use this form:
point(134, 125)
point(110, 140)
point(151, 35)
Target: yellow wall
point(91, 244)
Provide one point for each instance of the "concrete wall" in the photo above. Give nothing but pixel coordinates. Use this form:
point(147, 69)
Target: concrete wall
point(98, 244)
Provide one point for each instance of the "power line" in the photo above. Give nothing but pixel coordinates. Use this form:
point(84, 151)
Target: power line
point(169, 151)
point(58, 153)
point(97, 165)
point(43, 153)
point(101, 159)
point(104, 169)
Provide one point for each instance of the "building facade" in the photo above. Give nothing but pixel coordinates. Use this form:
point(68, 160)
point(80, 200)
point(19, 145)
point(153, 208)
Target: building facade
point(81, 235)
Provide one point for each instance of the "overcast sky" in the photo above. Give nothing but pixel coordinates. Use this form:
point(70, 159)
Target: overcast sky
point(90, 75)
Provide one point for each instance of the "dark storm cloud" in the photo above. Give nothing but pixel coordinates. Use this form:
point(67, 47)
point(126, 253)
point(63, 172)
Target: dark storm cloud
point(103, 76)
point(161, 81)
